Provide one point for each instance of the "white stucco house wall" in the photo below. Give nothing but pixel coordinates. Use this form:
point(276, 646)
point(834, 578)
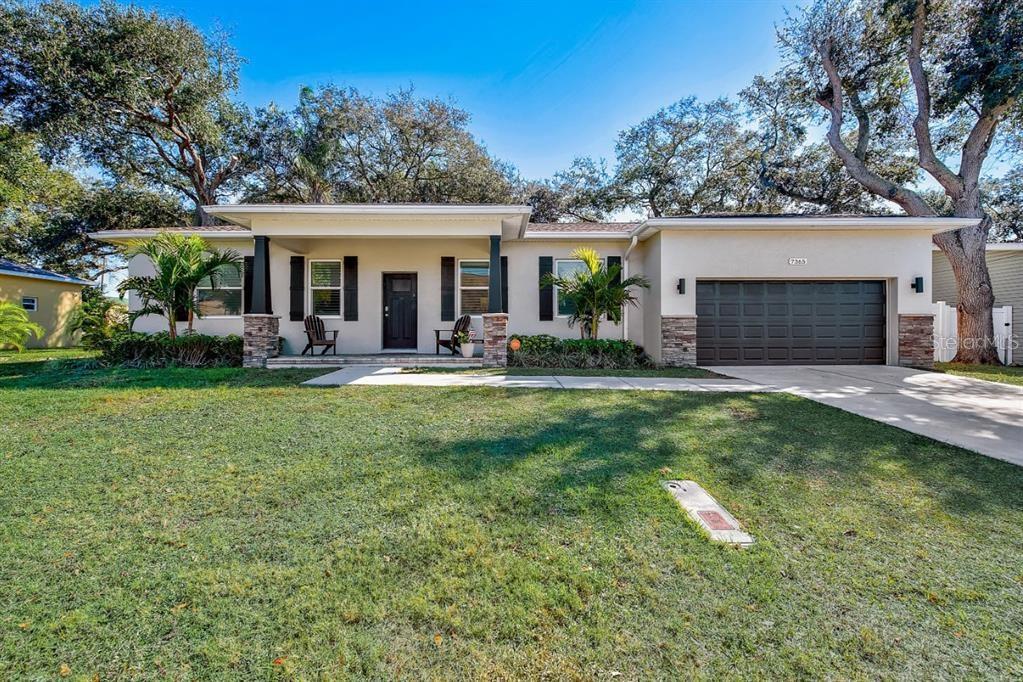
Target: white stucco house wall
point(724, 289)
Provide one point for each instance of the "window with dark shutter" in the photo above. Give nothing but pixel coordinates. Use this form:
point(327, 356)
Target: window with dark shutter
point(351, 288)
point(504, 284)
point(247, 285)
point(297, 288)
point(615, 260)
point(546, 289)
point(447, 288)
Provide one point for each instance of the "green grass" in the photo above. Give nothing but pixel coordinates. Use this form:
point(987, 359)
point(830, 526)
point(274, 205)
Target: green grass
point(675, 372)
point(44, 355)
point(231, 524)
point(1012, 374)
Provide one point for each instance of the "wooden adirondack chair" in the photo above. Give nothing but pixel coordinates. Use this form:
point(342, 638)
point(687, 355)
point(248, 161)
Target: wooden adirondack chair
point(462, 324)
point(317, 336)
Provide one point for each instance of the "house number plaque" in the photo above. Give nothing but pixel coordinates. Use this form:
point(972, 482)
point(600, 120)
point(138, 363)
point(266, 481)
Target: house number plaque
point(797, 261)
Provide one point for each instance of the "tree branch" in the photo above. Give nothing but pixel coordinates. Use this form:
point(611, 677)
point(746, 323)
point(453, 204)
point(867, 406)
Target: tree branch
point(952, 183)
point(911, 202)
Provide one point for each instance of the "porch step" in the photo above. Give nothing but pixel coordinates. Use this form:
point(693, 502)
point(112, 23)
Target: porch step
point(393, 360)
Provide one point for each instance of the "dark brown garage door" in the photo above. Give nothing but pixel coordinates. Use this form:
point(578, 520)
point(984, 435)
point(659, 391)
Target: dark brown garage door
point(790, 323)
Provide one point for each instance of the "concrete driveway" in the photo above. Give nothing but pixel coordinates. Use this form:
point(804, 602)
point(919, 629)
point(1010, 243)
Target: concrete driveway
point(982, 416)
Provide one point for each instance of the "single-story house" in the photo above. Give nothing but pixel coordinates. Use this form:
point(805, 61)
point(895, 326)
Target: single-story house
point(737, 289)
point(48, 298)
point(1005, 265)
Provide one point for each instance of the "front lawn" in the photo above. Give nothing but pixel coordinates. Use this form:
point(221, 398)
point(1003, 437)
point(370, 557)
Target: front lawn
point(231, 524)
point(674, 372)
point(44, 355)
point(1012, 374)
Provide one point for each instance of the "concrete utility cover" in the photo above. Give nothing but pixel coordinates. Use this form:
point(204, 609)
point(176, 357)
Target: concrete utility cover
point(705, 510)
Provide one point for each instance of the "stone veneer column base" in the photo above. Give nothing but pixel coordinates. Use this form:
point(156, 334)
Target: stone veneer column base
point(495, 339)
point(678, 340)
point(916, 341)
point(260, 339)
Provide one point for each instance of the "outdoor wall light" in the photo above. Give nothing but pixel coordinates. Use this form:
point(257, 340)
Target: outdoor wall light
point(681, 286)
point(918, 285)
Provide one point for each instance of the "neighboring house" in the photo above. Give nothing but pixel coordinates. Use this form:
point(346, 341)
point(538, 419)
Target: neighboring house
point(46, 296)
point(724, 289)
point(1005, 265)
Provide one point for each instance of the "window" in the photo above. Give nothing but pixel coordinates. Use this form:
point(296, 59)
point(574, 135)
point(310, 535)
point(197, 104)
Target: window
point(473, 287)
point(30, 303)
point(325, 287)
point(567, 268)
point(226, 299)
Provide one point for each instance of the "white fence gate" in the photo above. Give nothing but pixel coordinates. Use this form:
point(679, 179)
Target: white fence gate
point(945, 335)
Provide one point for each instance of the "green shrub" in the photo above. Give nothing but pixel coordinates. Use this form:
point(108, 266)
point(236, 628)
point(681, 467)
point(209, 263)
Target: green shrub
point(544, 350)
point(160, 350)
point(98, 319)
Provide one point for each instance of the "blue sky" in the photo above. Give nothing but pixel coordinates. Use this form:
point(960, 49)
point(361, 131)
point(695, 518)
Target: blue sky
point(544, 81)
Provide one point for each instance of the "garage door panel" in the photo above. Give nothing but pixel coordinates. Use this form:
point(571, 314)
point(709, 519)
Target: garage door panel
point(794, 322)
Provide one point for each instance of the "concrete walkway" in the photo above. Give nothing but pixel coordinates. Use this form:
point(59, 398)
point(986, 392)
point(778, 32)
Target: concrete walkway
point(393, 376)
point(982, 416)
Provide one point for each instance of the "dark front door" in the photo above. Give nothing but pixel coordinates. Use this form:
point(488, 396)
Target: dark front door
point(400, 310)
point(790, 323)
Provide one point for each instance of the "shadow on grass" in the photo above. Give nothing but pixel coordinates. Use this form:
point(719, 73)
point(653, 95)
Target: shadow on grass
point(707, 434)
point(604, 438)
point(87, 374)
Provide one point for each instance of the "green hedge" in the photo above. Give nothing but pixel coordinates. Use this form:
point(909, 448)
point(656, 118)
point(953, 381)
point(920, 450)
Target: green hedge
point(544, 350)
point(159, 350)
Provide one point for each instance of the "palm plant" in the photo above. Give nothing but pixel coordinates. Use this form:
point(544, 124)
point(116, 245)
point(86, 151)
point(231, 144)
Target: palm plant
point(97, 318)
point(181, 264)
point(15, 327)
point(596, 291)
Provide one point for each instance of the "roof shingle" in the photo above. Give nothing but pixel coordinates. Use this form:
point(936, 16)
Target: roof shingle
point(581, 227)
point(9, 267)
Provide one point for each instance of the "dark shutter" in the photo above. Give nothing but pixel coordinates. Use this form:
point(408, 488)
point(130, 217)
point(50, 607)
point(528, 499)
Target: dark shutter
point(297, 288)
point(546, 289)
point(615, 260)
point(266, 268)
point(504, 284)
point(247, 285)
point(351, 288)
point(447, 288)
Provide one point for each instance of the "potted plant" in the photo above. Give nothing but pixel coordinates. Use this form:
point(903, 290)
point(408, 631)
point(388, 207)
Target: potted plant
point(466, 344)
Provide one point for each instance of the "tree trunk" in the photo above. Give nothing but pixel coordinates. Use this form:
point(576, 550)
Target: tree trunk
point(965, 251)
point(172, 325)
point(202, 218)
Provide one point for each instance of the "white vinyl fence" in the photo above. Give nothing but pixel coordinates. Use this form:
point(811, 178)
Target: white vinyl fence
point(945, 336)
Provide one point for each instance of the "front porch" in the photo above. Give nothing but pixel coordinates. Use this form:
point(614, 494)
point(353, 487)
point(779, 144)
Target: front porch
point(375, 359)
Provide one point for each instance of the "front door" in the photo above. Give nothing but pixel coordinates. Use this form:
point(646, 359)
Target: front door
point(400, 310)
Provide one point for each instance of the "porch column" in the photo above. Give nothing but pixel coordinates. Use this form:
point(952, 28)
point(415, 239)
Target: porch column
point(494, 295)
point(260, 327)
point(495, 339)
point(261, 277)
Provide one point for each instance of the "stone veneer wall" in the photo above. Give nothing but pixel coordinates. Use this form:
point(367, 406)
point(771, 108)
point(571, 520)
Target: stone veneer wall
point(260, 339)
point(678, 340)
point(495, 339)
point(916, 340)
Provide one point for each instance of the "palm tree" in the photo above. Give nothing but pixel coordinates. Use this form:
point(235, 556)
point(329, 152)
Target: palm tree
point(596, 291)
point(181, 264)
point(15, 327)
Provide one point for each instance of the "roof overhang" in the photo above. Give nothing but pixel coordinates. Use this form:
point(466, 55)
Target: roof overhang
point(576, 236)
point(60, 279)
point(375, 220)
point(796, 223)
point(999, 246)
point(121, 237)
